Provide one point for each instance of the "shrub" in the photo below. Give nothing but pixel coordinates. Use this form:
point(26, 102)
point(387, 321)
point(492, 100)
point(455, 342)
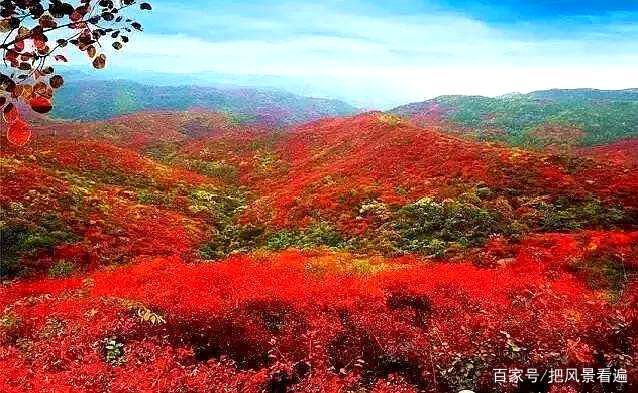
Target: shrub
point(113, 351)
point(282, 240)
point(232, 239)
point(215, 169)
point(431, 227)
point(316, 235)
point(603, 272)
point(566, 214)
point(62, 268)
point(149, 197)
point(220, 205)
point(17, 240)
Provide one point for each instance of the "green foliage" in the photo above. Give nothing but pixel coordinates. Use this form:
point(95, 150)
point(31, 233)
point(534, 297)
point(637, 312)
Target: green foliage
point(221, 205)
point(9, 321)
point(231, 239)
point(431, 227)
point(603, 117)
point(61, 268)
point(150, 197)
point(283, 239)
point(568, 215)
point(164, 152)
point(113, 351)
point(316, 235)
point(218, 170)
point(602, 272)
point(17, 239)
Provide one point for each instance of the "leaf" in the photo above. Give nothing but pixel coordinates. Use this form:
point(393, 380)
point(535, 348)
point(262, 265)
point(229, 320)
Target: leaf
point(56, 81)
point(5, 25)
point(60, 58)
point(6, 83)
point(47, 22)
point(117, 45)
point(91, 51)
point(10, 113)
point(99, 62)
point(27, 91)
point(18, 133)
point(137, 26)
point(40, 104)
point(19, 46)
point(78, 13)
point(146, 6)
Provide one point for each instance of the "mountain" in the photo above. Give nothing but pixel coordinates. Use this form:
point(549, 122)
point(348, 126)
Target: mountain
point(92, 99)
point(585, 95)
point(552, 117)
point(179, 251)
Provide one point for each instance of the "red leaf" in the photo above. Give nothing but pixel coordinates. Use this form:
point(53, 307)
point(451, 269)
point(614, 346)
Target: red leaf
point(60, 58)
point(10, 114)
point(40, 104)
point(19, 46)
point(18, 133)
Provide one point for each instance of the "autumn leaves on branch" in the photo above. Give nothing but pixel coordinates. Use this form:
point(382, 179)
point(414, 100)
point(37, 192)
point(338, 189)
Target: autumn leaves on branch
point(35, 32)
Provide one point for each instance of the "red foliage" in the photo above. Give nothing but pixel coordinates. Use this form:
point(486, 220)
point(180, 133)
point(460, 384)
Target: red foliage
point(329, 167)
point(252, 322)
point(621, 152)
point(313, 321)
point(18, 131)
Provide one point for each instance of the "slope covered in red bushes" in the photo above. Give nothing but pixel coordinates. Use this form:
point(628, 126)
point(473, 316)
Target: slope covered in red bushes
point(268, 323)
point(379, 156)
point(362, 254)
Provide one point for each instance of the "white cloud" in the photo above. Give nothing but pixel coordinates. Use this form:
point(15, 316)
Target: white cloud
point(386, 60)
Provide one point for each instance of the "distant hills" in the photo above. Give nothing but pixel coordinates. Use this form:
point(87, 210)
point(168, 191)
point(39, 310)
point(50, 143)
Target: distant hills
point(558, 117)
point(541, 118)
point(101, 99)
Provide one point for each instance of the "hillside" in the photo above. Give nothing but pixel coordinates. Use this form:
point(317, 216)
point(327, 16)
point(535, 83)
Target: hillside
point(87, 99)
point(538, 119)
point(196, 251)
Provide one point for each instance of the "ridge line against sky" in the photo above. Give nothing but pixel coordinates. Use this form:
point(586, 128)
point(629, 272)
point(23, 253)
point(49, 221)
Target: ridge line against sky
point(381, 54)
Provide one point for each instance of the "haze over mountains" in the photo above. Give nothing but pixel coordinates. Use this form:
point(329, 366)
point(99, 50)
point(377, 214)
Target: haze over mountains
point(538, 119)
point(86, 99)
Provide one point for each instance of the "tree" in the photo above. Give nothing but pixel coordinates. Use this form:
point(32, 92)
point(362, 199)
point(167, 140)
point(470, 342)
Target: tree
point(33, 34)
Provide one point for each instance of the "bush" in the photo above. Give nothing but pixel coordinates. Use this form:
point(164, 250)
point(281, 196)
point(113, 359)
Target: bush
point(430, 227)
point(220, 205)
point(62, 268)
point(149, 197)
point(316, 235)
point(232, 239)
point(17, 240)
point(218, 170)
point(568, 215)
point(113, 351)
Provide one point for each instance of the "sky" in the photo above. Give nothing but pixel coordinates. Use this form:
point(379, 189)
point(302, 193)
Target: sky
point(379, 54)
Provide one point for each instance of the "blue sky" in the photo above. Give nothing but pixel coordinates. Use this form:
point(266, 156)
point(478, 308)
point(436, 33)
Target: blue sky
point(378, 54)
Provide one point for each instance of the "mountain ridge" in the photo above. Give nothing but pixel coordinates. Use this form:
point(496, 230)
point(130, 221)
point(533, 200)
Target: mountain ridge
point(561, 117)
point(78, 100)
